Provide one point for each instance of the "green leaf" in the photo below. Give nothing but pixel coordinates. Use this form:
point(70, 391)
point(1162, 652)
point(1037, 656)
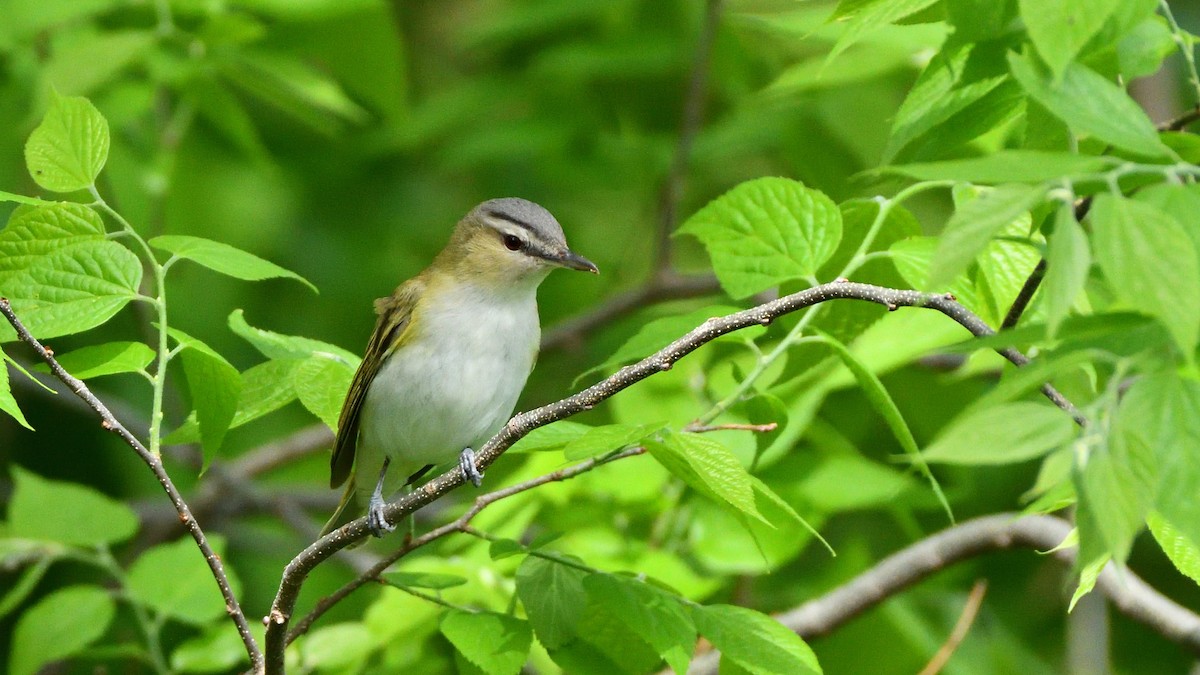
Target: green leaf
point(607, 438)
point(342, 646)
point(431, 580)
point(1114, 479)
point(973, 225)
point(1087, 579)
point(20, 590)
point(174, 580)
point(766, 231)
point(322, 383)
point(708, 467)
point(496, 643)
point(1060, 28)
point(1008, 166)
point(22, 199)
point(500, 549)
point(550, 437)
point(266, 387)
point(553, 597)
point(59, 626)
point(1091, 105)
point(278, 346)
point(34, 232)
point(67, 513)
point(224, 258)
point(68, 149)
point(8, 403)
point(1138, 247)
point(215, 388)
point(1004, 434)
point(217, 650)
point(754, 641)
point(73, 289)
point(1182, 550)
point(882, 401)
point(1068, 260)
point(110, 358)
point(869, 16)
point(655, 616)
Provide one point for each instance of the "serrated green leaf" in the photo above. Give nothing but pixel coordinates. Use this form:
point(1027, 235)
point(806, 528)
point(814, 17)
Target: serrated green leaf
point(72, 289)
point(607, 438)
point(431, 580)
point(174, 580)
point(1090, 104)
point(655, 616)
point(864, 17)
point(278, 346)
point(553, 597)
point(1115, 480)
point(1087, 580)
point(59, 626)
point(1060, 28)
point(1007, 166)
point(882, 401)
point(766, 231)
point(550, 437)
point(68, 149)
point(496, 643)
point(1004, 434)
point(110, 358)
point(321, 384)
point(215, 388)
point(754, 641)
point(1137, 246)
point(973, 225)
point(67, 513)
point(1181, 550)
point(708, 467)
point(224, 258)
point(1068, 260)
point(33, 232)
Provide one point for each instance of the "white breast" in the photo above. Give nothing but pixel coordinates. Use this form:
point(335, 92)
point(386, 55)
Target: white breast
point(451, 386)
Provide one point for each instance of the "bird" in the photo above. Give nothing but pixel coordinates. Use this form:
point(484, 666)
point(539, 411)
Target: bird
point(450, 353)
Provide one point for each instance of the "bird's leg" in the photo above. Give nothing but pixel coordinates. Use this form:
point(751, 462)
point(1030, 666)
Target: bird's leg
point(466, 464)
point(377, 523)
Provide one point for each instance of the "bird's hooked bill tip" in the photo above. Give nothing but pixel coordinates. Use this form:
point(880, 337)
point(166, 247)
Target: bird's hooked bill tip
point(574, 261)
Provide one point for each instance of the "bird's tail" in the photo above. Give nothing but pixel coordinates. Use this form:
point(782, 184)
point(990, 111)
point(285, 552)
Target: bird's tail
point(342, 514)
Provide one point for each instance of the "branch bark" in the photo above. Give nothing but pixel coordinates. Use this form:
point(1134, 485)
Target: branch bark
point(299, 568)
point(111, 423)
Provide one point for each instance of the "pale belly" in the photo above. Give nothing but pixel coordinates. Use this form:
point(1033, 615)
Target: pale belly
point(434, 397)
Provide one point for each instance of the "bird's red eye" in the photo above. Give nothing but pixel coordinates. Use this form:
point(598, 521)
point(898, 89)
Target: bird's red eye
point(513, 243)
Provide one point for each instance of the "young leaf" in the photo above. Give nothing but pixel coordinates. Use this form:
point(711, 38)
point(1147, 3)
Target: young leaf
point(8, 404)
point(224, 258)
point(1181, 550)
point(496, 643)
point(322, 383)
point(1004, 434)
point(34, 232)
point(869, 16)
point(278, 346)
point(754, 641)
point(1115, 483)
point(708, 467)
point(1067, 262)
point(553, 597)
point(173, 580)
point(607, 438)
point(886, 407)
point(266, 387)
point(110, 358)
point(766, 231)
point(973, 224)
point(654, 615)
point(1090, 104)
point(59, 626)
point(1060, 28)
point(215, 388)
point(68, 149)
point(1139, 247)
point(340, 647)
point(67, 513)
point(1008, 166)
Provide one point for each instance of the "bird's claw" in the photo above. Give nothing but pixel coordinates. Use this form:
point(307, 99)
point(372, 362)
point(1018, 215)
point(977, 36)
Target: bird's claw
point(376, 521)
point(466, 464)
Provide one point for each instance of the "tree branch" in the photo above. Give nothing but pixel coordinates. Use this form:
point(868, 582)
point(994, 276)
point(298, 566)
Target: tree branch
point(111, 423)
point(1128, 593)
point(298, 569)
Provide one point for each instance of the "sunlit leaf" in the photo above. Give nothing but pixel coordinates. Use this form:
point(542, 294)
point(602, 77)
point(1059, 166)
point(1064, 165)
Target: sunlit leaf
point(68, 149)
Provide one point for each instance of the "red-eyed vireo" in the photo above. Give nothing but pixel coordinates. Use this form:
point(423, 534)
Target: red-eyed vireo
point(450, 354)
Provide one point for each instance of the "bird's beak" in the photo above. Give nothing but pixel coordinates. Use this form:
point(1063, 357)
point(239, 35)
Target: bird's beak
point(574, 261)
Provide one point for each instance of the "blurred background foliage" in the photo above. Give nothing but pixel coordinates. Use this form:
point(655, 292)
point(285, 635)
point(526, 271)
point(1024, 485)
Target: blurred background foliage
point(343, 138)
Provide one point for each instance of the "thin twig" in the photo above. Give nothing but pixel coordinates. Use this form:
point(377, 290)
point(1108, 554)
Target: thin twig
point(757, 428)
point(1129, 593)
point(1025, 295)
point(1182, 121)
point(111, 423)
point(459, 525)
point(961, 628)
point(299, 568)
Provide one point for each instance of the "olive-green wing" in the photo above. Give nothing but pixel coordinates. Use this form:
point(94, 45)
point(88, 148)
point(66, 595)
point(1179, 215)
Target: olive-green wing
point(395, 312)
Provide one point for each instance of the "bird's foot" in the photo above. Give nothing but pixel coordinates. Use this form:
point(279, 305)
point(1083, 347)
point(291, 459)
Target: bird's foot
point(376, 521)
point(466, 463)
